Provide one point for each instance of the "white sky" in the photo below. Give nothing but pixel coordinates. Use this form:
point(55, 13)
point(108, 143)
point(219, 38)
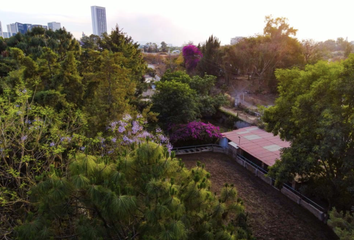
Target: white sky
point(178, 22)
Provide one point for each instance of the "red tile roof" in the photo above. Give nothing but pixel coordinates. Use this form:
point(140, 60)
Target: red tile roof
point(259, 143)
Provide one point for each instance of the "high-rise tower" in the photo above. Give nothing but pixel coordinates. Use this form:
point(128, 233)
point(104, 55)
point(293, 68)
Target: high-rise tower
point(99, 21)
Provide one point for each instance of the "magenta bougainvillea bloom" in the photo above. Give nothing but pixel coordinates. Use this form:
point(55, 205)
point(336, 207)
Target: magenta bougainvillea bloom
point(195, 130)
point(192, 56)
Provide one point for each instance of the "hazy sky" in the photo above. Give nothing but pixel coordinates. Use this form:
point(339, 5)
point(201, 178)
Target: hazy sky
point(181, 21)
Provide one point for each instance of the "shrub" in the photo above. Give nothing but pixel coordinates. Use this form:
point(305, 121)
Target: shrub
point(194, 133)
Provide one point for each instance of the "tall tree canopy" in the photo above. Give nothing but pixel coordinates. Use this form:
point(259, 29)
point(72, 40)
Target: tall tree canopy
point(175, 103)
point(204, 100)
point(55, 97)
point(103, 78)
point(143, 195)
point(259, 56)
point(211, 59)
point(315, 111)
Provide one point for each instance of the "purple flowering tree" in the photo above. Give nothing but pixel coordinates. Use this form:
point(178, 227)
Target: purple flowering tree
point(192, 56)
point(194, 133)
point(130, 132)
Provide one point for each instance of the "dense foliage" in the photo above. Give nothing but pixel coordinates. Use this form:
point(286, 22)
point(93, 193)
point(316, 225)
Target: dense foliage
point(103, 80)
point(145, 194)
point(183, 99)
point(194, 133)
point(55, 97)
point(191, 55)
point(342, 224)
point(315, 112)
point(71, 169)
point(258, 57)
point(211, 60)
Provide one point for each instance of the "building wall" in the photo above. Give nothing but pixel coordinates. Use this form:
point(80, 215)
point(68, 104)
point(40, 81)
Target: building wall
point(1, 35)
point(99, 21)
point(12, 29)
point(6, 35)
point(235, 40)
point(54, 26)
point(17, 27)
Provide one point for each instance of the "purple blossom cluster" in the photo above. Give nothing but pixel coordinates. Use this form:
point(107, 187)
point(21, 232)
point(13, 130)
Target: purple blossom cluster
point(136, 127)
point(129, 131)
point(192, 56)
point(63, 139)
point(195, 130)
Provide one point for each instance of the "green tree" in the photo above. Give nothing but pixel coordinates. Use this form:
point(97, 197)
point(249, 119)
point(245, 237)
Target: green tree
point(32, 138)
point(342, 224)
point(315, 112)
point(163, 47)
point(178, 76)
point(211, 60)
point(108, 90)
point(207, 97)
point(260, 56)
point(90, 42)
point(311, 51)
point(69, 82)
point(142, 195)
point(175, 102)
point(278, 27)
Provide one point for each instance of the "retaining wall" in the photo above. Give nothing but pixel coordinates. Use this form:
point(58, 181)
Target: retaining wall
point(287, 192)
point(291, 195)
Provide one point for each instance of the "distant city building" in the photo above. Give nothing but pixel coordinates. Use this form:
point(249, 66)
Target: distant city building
point(54, 26)
point(99, 21)
point(11, 29)
point(1, 30)
point(235, 40)
point(6, 35)
point(22, 28)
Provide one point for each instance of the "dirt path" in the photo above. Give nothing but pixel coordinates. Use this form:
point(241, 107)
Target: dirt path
point(272, 216)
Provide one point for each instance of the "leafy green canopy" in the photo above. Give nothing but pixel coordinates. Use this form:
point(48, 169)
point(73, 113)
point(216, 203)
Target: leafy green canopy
point(142, 195)
point(188, 99)
point(175, 103)
point(55, 98)
point(315, 112)
point(342, 224)
point(103, 79)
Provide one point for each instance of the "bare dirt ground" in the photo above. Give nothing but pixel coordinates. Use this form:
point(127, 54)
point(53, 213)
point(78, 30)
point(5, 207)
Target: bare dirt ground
point(271, 215)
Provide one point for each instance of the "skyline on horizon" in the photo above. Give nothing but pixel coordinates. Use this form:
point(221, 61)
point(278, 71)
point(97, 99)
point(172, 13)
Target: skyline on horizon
point(188, 21)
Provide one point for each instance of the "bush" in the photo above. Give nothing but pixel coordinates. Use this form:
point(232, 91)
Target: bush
point(194, 133)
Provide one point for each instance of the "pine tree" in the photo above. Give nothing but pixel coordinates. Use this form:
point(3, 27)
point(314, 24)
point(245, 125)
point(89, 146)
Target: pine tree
point(146, 194)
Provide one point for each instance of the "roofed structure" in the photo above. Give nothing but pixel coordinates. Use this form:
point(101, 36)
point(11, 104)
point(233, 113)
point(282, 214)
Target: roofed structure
point(260, 144)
